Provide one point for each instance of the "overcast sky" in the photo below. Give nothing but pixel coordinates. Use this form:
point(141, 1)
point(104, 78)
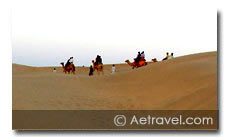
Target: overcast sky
point(45, 33)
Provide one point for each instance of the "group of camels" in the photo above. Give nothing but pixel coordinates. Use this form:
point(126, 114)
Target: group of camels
point(99, 67)
point(71, 68)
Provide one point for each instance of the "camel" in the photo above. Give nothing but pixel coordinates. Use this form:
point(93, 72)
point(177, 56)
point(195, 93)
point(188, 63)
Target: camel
point(98, 67)
point(154, 60)
point(69, 68)
point(136, 65)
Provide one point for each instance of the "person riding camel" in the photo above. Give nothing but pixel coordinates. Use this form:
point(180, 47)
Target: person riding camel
point(171, 56)
point(167, 55)
point(137, 59)
point(98, 65)
point(142, 56)
point(98, 60)
point(69, 61)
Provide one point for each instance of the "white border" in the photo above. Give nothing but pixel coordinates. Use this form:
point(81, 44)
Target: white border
point(6, 88)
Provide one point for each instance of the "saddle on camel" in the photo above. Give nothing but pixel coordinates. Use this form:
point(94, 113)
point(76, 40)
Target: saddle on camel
point(141, 62)
point(97, 66)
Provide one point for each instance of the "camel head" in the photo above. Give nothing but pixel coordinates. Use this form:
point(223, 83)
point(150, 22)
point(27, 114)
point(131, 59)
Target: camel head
point(62, 63)
point(129, 63)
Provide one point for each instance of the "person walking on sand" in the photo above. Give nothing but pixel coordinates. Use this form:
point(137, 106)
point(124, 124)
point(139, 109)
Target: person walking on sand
point(69, 61)
point(54, 70)
point(113, 69)
point(91, 71)
point(167, 55)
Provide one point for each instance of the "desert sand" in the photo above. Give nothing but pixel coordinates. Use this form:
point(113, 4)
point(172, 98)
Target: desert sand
point(183, 83)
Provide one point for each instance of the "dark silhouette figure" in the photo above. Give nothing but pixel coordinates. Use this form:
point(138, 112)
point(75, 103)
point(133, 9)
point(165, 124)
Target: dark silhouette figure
point(91, 71)
point(69, 61)
point(98, 60)
point(137, 59)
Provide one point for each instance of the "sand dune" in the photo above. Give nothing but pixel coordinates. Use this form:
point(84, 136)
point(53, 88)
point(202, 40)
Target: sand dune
point(182, 83)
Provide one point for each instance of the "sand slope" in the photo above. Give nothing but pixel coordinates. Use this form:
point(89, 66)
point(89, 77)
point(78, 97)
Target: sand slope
point(183, 83)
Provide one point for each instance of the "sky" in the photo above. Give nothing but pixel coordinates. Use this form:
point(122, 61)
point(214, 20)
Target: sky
point(47, 32)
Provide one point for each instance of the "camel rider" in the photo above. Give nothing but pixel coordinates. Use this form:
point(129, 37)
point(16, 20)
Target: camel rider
point(98, 60)
point(69, 61)
point(171, 56)
point(142, 56)
point(137, 59)
point(167, 56)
